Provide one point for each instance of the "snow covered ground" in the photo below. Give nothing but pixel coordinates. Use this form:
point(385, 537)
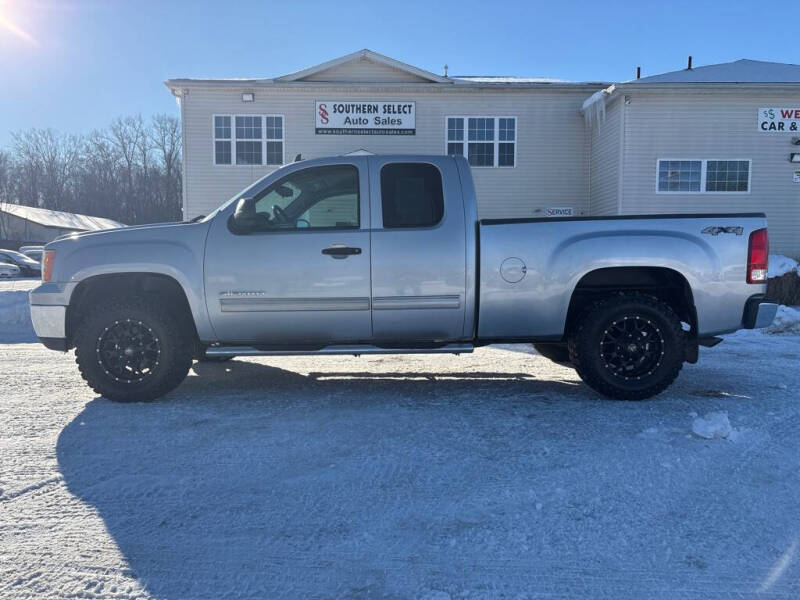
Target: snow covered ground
point(492, 475)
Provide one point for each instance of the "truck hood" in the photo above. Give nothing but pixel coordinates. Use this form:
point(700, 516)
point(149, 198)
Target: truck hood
point(161, 248)
point(124, 233)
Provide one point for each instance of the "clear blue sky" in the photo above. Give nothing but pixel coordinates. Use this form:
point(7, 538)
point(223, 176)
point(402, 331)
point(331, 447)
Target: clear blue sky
point(74, 65)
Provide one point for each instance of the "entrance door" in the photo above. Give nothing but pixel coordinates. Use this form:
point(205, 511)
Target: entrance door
point(298, 273)
point(418, 251)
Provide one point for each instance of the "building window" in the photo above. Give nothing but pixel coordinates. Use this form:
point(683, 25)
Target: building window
point(455, 136)
point(411, 195)
point(490, 141)
point(248, 139)
point(703, 176)
point(727, 175)
point(274, 140)
point(679, 175)
point(222, 140)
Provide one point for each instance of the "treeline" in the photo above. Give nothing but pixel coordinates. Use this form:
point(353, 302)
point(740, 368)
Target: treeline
point(129, 172)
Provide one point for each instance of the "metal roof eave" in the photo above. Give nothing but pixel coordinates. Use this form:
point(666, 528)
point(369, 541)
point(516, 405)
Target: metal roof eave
point(175, 85)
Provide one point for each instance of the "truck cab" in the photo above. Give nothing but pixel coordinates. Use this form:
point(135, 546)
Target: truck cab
point(349, 250)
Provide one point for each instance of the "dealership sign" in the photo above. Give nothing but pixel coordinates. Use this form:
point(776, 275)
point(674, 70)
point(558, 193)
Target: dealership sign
point(779, 119)
point(348, 117)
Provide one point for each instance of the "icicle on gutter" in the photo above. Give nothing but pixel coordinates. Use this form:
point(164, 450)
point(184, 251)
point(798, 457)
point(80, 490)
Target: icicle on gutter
point(594, 107)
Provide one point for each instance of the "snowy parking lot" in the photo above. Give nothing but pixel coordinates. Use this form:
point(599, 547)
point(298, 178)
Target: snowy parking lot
point(491, 475)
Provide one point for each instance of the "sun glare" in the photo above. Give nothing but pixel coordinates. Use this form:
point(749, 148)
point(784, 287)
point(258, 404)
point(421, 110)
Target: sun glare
point(7, 23)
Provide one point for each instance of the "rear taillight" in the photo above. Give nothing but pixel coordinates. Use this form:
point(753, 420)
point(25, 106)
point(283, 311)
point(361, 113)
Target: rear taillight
point(47, 264)
point(758, 256)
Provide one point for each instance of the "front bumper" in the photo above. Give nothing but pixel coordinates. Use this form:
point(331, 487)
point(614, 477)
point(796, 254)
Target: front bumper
point(49, 314)
point(49, 321)
point(758, 314)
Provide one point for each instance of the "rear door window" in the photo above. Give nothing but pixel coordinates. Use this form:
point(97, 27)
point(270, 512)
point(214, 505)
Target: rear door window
point(411, 195)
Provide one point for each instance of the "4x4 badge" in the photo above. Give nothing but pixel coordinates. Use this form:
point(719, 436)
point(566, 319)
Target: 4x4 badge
point(716, 230)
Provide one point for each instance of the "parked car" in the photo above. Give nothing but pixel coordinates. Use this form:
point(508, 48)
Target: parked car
point(27, 266)
point(385, 254)
point(8, 271)
point(34, 252)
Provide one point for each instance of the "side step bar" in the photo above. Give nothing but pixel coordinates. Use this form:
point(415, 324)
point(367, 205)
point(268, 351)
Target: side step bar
point(355, 350)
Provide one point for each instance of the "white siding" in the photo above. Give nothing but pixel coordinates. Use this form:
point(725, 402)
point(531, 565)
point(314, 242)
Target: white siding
point(552, 141)
point(605, 161)
point(722, 125)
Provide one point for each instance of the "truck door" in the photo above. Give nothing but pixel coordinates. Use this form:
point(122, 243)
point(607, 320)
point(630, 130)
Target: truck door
point(300, 274)
point(418, 250)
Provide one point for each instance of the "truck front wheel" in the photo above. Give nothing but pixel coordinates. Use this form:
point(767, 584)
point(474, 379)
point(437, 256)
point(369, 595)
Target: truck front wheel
point(628, 347)
point(132, 350)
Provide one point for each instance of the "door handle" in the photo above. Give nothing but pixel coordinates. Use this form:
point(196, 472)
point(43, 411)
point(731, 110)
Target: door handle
point(341, 251)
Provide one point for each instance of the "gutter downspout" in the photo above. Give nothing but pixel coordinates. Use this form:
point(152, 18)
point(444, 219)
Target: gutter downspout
point(621, 166)
point(185, 179)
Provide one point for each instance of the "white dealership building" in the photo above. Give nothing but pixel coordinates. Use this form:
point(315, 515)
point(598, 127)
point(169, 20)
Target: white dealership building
point(718, 138)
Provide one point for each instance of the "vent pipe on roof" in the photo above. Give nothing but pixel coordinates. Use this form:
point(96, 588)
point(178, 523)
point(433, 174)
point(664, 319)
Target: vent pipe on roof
point(689, 66)
point(638, 72)
point(445, 70)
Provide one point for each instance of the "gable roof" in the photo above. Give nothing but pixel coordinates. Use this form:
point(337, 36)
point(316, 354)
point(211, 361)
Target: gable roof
point(738, 71)
point(59, 219)
point(367, 66)
point(363, 55)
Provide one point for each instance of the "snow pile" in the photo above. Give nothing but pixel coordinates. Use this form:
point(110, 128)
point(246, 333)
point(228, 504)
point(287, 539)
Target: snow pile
point(780, 265)
point(713, 425)
point(787, 320)
point(15, 316)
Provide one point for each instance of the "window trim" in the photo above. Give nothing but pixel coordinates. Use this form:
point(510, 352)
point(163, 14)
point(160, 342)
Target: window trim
point(703, 170)
point(496, 141)
point(233, 139)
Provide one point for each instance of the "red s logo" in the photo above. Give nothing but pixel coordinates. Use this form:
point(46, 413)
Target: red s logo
point(323, 114)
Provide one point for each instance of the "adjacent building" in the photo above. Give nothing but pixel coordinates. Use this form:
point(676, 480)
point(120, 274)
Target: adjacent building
point(719, 138)
point(30, 225)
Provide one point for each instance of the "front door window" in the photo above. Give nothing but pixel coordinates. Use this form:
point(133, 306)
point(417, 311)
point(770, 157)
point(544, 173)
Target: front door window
point(317, 198)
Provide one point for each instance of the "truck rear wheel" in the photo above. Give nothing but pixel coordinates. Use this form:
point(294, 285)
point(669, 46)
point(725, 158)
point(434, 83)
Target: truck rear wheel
point(132, 350)
point(629, 347)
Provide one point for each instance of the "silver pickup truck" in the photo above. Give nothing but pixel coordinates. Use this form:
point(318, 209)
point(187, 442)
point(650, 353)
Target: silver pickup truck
point(385, 254)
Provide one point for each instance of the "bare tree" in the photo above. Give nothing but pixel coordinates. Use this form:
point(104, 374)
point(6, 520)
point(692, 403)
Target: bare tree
point(6, 194)
point(129, 172)
point(165, 138)
point(49, 162)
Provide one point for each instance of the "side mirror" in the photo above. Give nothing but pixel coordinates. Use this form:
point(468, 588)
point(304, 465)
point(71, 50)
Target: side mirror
point(244, 218)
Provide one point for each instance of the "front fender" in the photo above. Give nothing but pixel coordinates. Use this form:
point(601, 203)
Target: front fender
point(139, 251)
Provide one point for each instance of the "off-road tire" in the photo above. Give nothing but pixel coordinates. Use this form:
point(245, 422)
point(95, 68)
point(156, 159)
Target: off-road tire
point(589, 331)
point(558, 353)
point(174, 342)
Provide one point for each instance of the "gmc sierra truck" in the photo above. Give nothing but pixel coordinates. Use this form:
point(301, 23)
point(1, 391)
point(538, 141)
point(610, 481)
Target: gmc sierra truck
point(360, 255)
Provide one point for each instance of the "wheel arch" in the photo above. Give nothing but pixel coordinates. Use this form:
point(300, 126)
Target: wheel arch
point(664, 283)
point(100, 288)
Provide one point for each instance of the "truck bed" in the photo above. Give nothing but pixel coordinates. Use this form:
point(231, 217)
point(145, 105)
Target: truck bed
point(708, 251)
